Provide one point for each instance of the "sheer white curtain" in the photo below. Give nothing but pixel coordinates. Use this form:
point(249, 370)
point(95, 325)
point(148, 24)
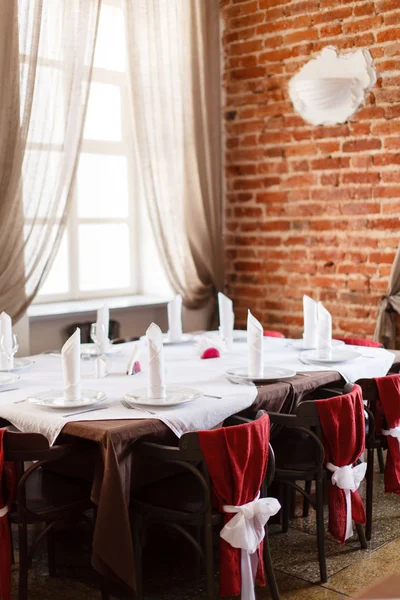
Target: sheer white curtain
point(173, 54)
point(46, 56)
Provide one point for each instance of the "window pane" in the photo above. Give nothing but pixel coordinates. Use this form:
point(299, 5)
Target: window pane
point(57, 281)
point(110, 54)
point(103, 119)
point(102, 186)
point(104, 257)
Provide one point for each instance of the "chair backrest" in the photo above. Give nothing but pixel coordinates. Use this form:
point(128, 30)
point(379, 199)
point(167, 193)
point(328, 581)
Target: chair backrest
point(272, 333)
point(20, 447)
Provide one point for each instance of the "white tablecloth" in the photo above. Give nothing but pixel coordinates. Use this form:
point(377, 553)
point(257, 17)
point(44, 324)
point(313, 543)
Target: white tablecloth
point(184, 368)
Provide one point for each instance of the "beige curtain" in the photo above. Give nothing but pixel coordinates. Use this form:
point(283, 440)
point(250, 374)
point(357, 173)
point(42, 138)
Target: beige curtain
point(46, 56)
point(173, 54)
point(385, 331)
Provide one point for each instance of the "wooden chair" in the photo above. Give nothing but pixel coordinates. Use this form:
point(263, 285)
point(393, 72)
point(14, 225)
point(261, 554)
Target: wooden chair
point(183, 502)
point(42, 496)
point(305, 429)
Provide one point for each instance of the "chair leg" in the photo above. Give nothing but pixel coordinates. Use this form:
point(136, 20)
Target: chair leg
point(209, 558)
point(269, 571)
point(381, 460)
point(286, 508)
point(23, 561)
point(51, 552)
point(306, 502)
point(361, 537)
point(319, 507)
point(370, 489)
point(137, 525)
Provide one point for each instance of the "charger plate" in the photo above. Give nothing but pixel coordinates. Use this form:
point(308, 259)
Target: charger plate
point(269, 374)
point(55, 399)
point(175, 395)
point(338, 356)
point(19, 363)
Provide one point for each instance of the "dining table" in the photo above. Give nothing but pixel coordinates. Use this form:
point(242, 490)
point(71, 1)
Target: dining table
point(108, 436)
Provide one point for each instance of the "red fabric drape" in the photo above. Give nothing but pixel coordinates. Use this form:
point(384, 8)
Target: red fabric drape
point(352, 341)
point(343, 425)
point(389, 401)
point(237, 459)
point(7, 489)
point(270, 333)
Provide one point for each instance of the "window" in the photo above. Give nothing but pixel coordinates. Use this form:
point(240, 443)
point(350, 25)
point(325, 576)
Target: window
point(108, 247)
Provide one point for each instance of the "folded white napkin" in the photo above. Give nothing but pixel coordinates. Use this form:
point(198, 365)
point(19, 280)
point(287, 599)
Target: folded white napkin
point(71, 365)
point(175, 319)
point(226, 319)
point(6, 356)
point(310, 322)
point(103, 321)
point(255, 336)
point(324, 332)
point(100, 366)
point(156, 384)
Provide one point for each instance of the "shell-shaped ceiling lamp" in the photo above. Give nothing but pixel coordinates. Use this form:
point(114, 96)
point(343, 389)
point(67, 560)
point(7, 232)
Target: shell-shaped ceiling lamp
point(331, 88)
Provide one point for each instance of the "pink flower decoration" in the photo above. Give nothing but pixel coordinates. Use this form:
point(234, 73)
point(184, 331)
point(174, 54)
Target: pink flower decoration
point(210, 353)
point(136, 367)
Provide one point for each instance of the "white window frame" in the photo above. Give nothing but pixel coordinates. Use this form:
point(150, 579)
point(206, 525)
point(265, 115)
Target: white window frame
point(123, 147)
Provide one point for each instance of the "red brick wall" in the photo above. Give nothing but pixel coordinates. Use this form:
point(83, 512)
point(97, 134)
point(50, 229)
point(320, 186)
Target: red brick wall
point(309, 209)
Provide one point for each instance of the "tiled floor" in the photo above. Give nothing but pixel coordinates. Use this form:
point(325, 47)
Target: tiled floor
point(169, 574)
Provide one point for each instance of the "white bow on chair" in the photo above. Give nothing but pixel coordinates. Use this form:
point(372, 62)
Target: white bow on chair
point(348, 478)
point(394, 432)
point(246, 531)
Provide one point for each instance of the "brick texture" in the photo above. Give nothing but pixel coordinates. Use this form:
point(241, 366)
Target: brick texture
point(309, 209)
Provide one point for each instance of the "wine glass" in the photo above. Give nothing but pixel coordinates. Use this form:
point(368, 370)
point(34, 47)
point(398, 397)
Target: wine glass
point(9, 350)
point(97, 335)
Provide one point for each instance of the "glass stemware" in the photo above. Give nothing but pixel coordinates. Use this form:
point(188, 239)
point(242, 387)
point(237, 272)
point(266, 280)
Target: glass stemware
point(8, 351)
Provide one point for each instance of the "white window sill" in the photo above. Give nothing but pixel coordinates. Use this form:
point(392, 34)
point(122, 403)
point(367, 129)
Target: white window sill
point(56, 309)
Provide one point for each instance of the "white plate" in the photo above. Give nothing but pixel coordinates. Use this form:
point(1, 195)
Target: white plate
point(187, 338)
point(19, 363)
point(269, 374)
point(338, 356)
point(299, 344)
point(91, 350)
point(175, 395)
point(7, 378)
point(55, 399)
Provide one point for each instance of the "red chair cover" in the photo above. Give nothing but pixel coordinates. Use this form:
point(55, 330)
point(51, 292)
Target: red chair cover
point(389, 399)
point(237, 459)
point(270, 333)
point(7, 482)
point(353, 341)
point(343, 425)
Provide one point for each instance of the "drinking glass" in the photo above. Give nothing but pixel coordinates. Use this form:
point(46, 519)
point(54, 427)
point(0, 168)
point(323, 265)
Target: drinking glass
point(97, 335)
point(8, 351)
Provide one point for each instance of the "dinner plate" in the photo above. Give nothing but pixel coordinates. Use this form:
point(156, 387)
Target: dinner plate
point(175, 395)
point(19, 363)
point(269, 374)
point(55, 399)
point(338, 356)
point(299, 344)
point(7, 378)
point(187, 338)
point(239, 335)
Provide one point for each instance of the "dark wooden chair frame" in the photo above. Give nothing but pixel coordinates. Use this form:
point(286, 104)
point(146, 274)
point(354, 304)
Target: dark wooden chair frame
point(189, 457)
point(27, 447)
point(306, 420)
